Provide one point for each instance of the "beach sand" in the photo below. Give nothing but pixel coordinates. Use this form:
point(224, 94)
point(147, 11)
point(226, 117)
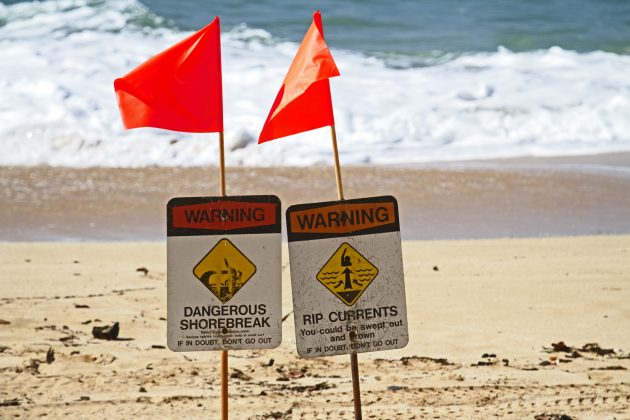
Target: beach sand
point(507, 198)
point(480, 313)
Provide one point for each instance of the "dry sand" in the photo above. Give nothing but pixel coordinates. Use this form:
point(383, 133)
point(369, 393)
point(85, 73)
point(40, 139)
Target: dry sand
point(502, 298)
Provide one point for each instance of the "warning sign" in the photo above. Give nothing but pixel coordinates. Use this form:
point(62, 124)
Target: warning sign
point(347, 276)
point(224, 270)
point(224, 273)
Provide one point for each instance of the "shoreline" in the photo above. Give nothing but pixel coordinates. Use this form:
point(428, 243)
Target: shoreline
point(458, 200)
point(574, 162)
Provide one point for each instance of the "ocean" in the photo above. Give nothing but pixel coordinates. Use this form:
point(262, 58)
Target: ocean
point(421, 81)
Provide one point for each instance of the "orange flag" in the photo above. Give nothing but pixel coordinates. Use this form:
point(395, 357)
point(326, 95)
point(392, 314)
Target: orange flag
point(179, 89)
point(304, 101)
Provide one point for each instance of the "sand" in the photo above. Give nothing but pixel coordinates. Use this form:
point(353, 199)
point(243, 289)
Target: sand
point(480, 313)
point(515, 198)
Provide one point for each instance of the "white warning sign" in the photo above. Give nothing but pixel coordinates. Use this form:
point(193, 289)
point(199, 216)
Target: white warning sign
point(224, 273)
point(347, 276)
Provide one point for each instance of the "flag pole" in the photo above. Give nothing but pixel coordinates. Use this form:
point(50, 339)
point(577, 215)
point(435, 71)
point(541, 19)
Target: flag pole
point(224, 385)
point(333, 135)
point(224, 353)
point(354, 361)
point(221, 164)
point(356, 391)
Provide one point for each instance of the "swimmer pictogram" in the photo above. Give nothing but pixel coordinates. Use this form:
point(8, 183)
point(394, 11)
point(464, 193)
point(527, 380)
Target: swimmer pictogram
point(347, 274)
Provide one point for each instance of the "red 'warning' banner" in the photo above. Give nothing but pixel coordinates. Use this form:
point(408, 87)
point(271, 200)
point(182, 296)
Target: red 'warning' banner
point(341, 218)
point(224, 215)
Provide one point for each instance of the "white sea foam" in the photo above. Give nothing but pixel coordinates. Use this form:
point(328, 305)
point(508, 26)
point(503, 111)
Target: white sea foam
point(58, 60)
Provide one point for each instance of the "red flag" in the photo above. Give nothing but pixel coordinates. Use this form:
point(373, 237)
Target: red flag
point(304, 101)
point(179, 89)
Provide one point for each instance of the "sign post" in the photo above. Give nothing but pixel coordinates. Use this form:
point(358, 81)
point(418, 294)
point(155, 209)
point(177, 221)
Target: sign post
point(224, 353)
point(359, 245)
point(347, 279)
point(224, 276)
point(181, 89)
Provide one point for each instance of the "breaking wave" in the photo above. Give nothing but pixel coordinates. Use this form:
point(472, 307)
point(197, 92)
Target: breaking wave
point(58, 60)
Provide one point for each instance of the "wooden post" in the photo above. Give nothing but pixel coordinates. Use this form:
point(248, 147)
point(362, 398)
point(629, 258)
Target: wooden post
point(333, 135)
point(224, 385)
point(224, 353)
point(356, 389)
point(221, 164)
point(354, 362)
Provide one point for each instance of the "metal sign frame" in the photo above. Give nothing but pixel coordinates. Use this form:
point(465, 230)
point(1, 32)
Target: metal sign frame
point(213, 303)
point(326, 324)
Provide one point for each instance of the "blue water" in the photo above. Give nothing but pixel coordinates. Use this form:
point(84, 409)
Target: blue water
point(425, 27)
point(420, 80)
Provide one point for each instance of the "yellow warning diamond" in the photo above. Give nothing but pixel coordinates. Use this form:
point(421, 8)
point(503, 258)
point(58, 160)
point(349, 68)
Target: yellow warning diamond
point(224, 270)
point(347, 274)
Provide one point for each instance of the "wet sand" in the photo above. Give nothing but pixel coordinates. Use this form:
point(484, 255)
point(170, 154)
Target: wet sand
point(480, 313)
point(510, 198)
